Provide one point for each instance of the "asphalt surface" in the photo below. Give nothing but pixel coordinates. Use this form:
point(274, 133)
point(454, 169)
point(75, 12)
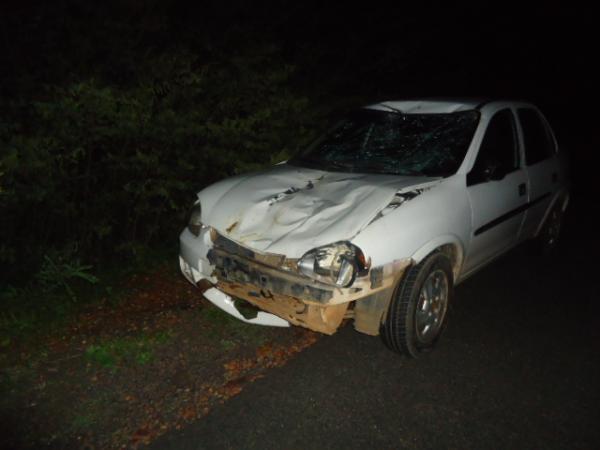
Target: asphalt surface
point(518, 367)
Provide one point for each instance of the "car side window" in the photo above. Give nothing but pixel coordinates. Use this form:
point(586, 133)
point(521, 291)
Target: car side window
point(498, 153)
point(539, 144)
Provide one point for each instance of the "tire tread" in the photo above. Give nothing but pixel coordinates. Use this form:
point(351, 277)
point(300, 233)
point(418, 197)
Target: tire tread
point(397, 330)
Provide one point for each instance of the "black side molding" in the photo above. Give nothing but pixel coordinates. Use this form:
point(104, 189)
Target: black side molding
point(510, 214)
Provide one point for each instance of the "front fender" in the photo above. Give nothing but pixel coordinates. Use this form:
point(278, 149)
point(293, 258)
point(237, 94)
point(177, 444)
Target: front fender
point(450, 243)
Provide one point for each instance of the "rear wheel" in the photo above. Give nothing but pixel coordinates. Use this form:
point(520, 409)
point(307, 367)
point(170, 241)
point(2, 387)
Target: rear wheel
point(550, 232)
point(417, 312)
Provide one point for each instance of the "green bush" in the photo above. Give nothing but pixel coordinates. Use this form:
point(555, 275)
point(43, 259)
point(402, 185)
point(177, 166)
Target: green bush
point(108, 169)
point(59, 275)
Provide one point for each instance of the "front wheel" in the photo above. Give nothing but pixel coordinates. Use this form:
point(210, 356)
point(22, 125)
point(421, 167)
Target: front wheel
point(417, 312)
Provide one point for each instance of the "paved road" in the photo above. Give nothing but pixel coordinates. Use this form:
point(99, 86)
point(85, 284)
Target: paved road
point(518, 367)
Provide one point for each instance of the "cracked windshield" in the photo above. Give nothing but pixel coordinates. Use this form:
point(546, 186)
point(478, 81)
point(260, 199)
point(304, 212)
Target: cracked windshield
point(394, 143)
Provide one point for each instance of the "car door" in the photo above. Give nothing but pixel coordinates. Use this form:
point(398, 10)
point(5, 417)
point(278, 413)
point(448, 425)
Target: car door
point(541, 160)
point(497, 191)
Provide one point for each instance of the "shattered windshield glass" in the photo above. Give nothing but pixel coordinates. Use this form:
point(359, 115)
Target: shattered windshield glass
point(390, 142)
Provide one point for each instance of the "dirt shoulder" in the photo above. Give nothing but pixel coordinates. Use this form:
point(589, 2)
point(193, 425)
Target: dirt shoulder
point(120, 375)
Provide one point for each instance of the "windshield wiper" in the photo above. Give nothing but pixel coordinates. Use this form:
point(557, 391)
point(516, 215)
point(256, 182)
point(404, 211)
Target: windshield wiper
point(304, 160)
point(338, 165)
point(380, 167)
point(413, 173)
point(391, 108)
point(322, 164)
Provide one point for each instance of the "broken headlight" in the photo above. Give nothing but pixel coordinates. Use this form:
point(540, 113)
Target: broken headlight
point(194, 224)
point(337, 263)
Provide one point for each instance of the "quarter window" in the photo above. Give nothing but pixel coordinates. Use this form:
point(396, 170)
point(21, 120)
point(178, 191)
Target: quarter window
point(539, 143)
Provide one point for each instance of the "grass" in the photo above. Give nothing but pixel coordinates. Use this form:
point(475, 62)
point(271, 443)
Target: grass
point(90, 378)
point(88, 414)
point(82, 422)
point(35, 309)
point(116, 352)
point(234, 330)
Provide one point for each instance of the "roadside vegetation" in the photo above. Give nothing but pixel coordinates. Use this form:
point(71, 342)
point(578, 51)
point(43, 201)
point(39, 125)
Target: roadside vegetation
point(113, 117)
point(102, 342)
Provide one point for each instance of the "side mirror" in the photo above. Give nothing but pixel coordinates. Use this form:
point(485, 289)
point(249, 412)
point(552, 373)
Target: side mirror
point(493, 171)
point(488, 171)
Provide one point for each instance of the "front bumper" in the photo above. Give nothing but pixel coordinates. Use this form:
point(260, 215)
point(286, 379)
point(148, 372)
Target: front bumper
point(196, 268)
point(227, 304)
point(227, 270)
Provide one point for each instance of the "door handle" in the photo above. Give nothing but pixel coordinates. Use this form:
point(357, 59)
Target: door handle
point(522, 189)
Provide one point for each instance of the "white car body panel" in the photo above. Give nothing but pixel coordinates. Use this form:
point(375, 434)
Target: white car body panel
point(288, 210)
point(444, 203)
point(226, 303)
point(484, 246)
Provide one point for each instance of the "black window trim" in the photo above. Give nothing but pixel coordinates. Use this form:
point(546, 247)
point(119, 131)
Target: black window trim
point(474, 179)
point(547, 129)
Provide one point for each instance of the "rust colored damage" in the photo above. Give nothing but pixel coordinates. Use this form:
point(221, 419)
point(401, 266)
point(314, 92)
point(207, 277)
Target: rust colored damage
point(370, 312)
point(325, 319)
point(230, 228)
point(273, 284)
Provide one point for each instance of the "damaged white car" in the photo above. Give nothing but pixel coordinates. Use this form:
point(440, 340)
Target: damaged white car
point(379, 219)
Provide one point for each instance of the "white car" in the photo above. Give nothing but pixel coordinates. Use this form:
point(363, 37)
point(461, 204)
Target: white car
point(379, 219)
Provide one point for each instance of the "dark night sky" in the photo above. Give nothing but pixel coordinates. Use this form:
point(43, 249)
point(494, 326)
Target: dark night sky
point(410, 48)
point(542, 53)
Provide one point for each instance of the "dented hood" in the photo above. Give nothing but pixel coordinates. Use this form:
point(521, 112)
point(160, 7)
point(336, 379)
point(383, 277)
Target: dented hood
point(290, 210)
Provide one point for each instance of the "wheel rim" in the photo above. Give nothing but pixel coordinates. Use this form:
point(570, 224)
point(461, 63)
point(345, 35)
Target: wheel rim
point(553, 230)
point(431, 307)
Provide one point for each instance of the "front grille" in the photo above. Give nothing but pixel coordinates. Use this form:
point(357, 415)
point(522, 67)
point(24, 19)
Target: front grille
point(269, 259)
point(267, 273)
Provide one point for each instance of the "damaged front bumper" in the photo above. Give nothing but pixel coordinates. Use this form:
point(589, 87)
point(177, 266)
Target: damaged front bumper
point(226, 270)
point(227, 304)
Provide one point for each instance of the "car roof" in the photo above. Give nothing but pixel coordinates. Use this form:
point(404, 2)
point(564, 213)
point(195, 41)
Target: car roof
point(430, 106)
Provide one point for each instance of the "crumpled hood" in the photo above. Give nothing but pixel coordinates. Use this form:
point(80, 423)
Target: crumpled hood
point(290, 210)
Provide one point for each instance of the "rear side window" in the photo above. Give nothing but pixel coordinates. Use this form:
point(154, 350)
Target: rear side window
point(539, 144)
point(499, 145)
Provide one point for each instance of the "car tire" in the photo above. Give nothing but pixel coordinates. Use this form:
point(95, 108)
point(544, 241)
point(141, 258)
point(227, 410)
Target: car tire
point(417, 313)
point(548, 237)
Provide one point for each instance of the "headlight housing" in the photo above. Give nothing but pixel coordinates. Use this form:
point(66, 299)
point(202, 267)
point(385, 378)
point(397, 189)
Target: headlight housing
point(338, 263)
point(194, 223)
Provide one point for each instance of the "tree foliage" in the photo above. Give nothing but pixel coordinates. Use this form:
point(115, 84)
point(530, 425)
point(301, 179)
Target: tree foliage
point(107, 168)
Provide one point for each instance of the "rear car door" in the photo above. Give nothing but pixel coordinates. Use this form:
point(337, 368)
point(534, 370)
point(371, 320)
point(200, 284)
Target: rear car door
point(497, 191)
point(542, 164)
